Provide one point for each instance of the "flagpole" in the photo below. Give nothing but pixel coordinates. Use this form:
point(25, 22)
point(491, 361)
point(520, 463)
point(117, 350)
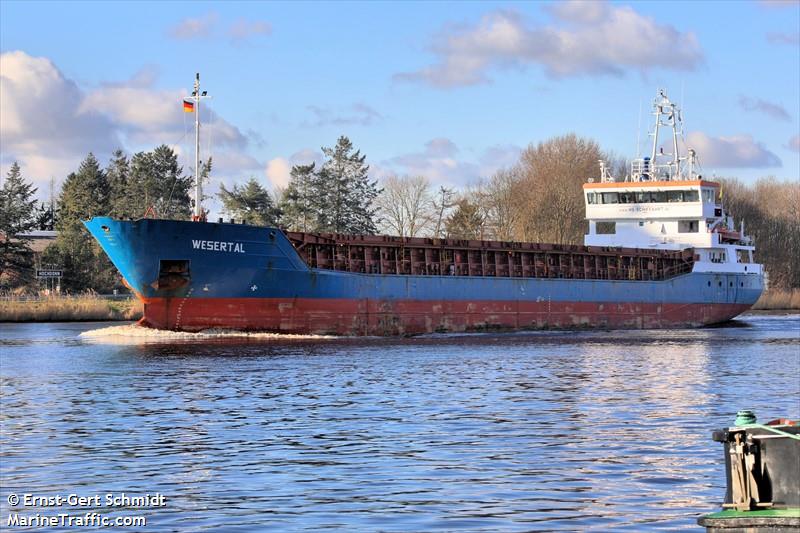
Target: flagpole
point(198, 188)
point(194, 101)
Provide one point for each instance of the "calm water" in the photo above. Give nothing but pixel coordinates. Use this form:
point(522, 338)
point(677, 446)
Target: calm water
point(604, 430)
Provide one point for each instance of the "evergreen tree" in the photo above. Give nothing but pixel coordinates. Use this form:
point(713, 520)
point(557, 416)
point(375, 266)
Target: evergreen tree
point(117, 174)
point(466, 222)
point(344, 192)
point(298, 201)
point(85, 194)
point(17, 217)
point(46, 216)
point(251, 203)
point(156, 181)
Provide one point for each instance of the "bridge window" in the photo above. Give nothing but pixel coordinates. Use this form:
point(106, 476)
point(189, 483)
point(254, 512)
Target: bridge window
point(708, 196)
point(688, 226)
point(645, 197)
point(627, 198)
point(742, 256)
point(610, 198)
point(606, 228)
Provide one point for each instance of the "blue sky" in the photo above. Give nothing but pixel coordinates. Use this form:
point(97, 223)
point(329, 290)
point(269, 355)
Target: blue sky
point(451, 90)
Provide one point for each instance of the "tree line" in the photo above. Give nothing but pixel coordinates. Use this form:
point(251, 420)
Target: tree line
point(338, 197)
point(538, 199)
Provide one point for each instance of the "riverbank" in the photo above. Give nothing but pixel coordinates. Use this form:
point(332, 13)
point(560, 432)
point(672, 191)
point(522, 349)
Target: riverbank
point(82, 308)
point(778, 300)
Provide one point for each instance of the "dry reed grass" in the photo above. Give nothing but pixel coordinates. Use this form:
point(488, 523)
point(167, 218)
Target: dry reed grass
point(68, 309)
point(778, 299)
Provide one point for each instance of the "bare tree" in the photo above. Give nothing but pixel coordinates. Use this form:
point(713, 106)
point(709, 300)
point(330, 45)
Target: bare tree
point(771, 212)
point(549, 193)
point(405, 205)
point(444, 202)
point(499, 204)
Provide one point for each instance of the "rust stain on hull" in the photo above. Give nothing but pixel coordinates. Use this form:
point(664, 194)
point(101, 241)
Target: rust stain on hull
point(389, 318)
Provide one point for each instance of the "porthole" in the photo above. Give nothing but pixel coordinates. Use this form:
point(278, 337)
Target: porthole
point(741, 284)
point(720, 284)
point(730, 284)
point(709, 283)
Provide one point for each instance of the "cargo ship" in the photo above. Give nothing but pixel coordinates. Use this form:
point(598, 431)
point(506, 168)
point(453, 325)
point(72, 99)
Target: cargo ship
point(660, 252)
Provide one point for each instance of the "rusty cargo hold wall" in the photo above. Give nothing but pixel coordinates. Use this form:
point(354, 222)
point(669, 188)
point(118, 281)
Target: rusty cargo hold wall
point(380, 254)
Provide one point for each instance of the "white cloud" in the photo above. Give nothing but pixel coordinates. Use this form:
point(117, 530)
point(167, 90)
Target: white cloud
point(359, 114)
point(194, 28)
point(738, 151)
point(147, 117)
point(499, 156)
point(776, 111)
point(587, 38)
point(43, 124)
point(278, 170)
point(307, 156)
point(780, 3)
point(440, 147)
point(49, 124)
point(441, 161)
point(790, 38)
point(242, 30)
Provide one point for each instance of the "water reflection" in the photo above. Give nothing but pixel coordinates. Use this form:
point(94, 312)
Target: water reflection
point(595, 430)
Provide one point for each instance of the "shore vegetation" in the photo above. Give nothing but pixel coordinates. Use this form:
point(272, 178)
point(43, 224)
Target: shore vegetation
point(60, 308)
point(778, 299)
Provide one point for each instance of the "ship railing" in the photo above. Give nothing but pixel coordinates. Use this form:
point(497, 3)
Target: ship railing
point(644, 169)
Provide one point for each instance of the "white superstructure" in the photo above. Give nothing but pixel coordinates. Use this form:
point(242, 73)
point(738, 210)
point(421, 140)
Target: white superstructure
point(664, 203)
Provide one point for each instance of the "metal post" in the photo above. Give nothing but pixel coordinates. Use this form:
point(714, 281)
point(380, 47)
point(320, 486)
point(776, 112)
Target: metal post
point(675, 159)
point(198, 189)
point(655, 132)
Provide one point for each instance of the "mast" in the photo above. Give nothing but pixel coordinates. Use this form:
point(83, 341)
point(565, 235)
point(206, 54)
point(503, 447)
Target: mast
point(667, 115)
point(657, 113)
point(675, 154)
point(198, 188)
point(199, 214)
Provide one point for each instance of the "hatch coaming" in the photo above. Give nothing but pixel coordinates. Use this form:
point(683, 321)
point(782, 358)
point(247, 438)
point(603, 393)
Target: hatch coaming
point(385, 255)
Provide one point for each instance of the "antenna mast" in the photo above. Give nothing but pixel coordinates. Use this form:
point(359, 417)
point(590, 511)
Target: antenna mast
point(667, 114)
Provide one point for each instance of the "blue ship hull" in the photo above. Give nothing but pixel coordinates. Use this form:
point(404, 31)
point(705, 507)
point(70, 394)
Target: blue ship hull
point(193, 276)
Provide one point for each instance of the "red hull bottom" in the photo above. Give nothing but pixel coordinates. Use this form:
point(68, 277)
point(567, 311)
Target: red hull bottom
point(370, 317)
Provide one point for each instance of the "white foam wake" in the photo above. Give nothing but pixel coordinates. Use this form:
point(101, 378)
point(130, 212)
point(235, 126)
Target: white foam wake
point(136, 333)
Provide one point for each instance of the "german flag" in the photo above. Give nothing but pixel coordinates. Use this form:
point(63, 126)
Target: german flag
point(188, 107)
